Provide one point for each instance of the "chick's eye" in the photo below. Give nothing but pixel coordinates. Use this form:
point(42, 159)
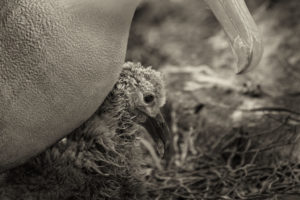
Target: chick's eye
point(149, 98)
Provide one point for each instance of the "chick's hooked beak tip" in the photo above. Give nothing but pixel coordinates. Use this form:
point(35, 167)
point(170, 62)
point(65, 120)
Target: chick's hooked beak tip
point(159, 131)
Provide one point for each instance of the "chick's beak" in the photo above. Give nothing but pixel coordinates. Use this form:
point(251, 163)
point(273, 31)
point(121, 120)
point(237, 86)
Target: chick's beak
point(159, 131)
point(241, 29)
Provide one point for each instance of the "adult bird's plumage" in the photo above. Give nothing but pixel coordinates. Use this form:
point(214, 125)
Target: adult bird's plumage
point(102, 158)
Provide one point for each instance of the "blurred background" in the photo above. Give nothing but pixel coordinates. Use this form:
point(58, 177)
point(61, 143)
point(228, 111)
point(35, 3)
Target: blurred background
point(182, 39)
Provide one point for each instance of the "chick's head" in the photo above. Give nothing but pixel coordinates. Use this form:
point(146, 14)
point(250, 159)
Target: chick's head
point(138, 94)
point(137, 98)
point(145, 89)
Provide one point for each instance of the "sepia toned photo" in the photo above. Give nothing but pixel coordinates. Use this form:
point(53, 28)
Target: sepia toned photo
point(149, 100)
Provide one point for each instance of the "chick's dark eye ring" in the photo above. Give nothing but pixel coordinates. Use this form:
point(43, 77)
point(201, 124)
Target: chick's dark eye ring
point(149, 98)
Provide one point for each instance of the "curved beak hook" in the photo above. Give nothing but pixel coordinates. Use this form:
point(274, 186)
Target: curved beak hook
point(159, 131)
point(241, 30)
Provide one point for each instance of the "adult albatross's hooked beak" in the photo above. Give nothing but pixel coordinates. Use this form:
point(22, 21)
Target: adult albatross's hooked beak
point(159, 131)
point(241, 29)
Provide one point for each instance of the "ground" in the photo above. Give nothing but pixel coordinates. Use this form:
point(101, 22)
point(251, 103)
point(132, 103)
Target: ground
point(206, 100)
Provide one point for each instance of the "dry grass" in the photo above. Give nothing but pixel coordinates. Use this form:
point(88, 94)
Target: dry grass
point(238, 166)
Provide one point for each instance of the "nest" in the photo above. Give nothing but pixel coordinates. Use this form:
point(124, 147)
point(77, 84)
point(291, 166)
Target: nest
point(237, 166)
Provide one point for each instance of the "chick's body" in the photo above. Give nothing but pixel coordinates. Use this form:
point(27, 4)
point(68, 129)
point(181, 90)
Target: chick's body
point(102, 159)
